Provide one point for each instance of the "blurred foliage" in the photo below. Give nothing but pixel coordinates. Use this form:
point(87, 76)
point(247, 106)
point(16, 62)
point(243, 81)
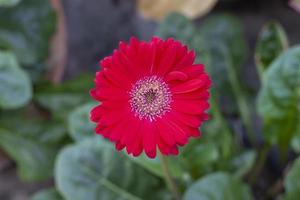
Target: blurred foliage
point(7, 3)
point(45, 127)
point(79, 125)
point(15, 87)
point(272, 41)
point(25, 29)
point(47, 194)
point(279, 97)
point(218, 186)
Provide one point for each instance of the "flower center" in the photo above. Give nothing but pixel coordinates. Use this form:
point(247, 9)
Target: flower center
point(150, 97)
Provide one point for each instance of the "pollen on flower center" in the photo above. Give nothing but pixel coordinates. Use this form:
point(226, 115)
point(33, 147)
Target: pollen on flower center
point(150, 98)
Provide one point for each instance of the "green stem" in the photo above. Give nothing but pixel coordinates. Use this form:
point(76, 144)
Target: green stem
point(241, 101)
point(168, 178)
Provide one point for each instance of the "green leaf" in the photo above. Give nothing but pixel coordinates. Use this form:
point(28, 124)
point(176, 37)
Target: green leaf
point(209, 154)
point(212, 152)
point(227, 30)
point(93, 170)
point(295, 143)
point(278, 100)
point(272, 41)
point(243, 163)
point(15, 87)
point(61, 99)
point(218, 186)
point(60, 104)
point(79, 124)
point(8, 3)
point(26, 30)
point(27, 125)
point(292, 195)
point(47, 194)
point(35, 160)
point(291, 181)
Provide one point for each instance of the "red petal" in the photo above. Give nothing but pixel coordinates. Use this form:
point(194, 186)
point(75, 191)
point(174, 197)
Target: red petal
point(149, 138)
point(176, 75)
point(189, 86)
point(190, 107)
point(187, 60)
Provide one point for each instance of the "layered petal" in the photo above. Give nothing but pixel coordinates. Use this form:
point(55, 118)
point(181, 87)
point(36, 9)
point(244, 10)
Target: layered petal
point(152, 95)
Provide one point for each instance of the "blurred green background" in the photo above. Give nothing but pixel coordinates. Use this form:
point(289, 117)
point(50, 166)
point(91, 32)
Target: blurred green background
point(49, 51)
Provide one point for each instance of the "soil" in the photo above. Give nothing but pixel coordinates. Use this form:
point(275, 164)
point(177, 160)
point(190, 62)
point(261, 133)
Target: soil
point(94, 28)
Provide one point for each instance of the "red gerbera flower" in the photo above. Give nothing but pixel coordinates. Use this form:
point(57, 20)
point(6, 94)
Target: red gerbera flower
point(153, 96)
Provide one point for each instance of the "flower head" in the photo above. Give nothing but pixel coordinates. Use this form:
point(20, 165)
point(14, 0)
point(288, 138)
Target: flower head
point(152, 96)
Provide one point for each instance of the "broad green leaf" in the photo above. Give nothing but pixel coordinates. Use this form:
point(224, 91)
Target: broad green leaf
point(272, 41)
point(35, 160)
point(93, 170)
point(15, 86)
point(47, 194)
point(154, 166)
point(7, 3)
point(79, 124)
point(279, 99)
point(26, 30)
point(218, 186)
point(291, 181)
point(243, 163)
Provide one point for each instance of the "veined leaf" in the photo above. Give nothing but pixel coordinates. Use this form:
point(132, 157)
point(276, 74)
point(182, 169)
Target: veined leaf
point(279, 99)
point(93, 170)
